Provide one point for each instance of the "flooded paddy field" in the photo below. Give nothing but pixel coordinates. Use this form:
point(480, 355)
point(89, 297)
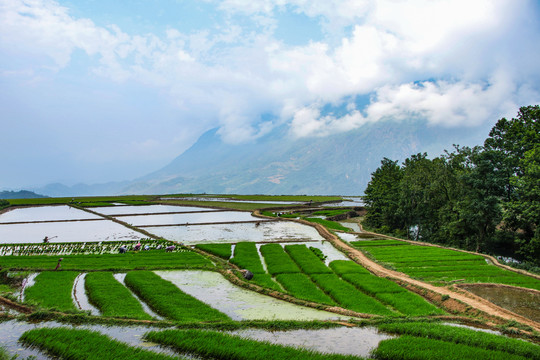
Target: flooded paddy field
point(45, 213)
point(227, 233)
point(217, 199)
point(87, 231)
point(189, 218)
point(238, 303)
point(522, 302)
point(147, 209)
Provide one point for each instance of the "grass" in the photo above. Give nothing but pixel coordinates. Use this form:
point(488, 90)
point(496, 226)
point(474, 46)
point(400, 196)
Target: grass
point(460, 335)
point(82, 200)
point(215, 345)
point(221, 250)
point(301, 287)
point(168, 300)
point(112, 298)
point(329, 224)
point(247, 257)
point(307, 260)
point(52, 290)
point(151, 260)
point(409, 348)
point(85, 344)
point(277, 260)
point(439, 265)
point(348, 296)
point(329, 213)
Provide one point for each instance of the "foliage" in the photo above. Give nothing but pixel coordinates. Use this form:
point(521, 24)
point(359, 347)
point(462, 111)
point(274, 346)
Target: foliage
point(460, 335)
point(129, 261)
point(306, 260)
point(409, 348)
point(216, 345)
point(221, 250)
point(318, 252)
point(52, 290)
point(485, 198)
point(112, 298)
point(277, 260)
point(168, 300)
point(4, 204)
point(301, 287)
point(85, 344)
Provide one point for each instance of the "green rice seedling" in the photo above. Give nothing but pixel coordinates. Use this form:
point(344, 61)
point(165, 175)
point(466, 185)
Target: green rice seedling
point(332, 212)
point(277, 260)
point(85, 344)
point(329, 224)
point(216, 345)
point(265, 280)
point(409, 348)
point(52, 289)
point(247, 257)
point(409, 303)
point(221, 250)
point(301, 287)
point(465, 336)
point(112, 298)
point(347, 267)
point(348, 296)
point(151, 260)
point(307, 260)
point(168, 300)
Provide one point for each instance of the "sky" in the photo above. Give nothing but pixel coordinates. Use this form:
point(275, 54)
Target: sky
point(98, 90)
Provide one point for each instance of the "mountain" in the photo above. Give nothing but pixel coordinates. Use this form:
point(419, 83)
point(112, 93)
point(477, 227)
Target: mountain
point(22, 194)
point(279, 164)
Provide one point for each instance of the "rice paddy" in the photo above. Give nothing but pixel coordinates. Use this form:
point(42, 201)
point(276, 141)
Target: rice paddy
point(182, 287)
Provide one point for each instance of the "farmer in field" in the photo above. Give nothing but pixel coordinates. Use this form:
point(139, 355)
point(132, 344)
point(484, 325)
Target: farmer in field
point(122, 249)
point(58, 265)
point(137, 247)
point(170, 248)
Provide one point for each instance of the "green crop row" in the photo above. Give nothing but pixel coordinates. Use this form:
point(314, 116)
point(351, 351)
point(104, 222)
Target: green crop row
point(348, 296)
point(221, 250)
point(85, 344)
point(332, 212)
point(306, 260)
point(347, 267)
point(132, 260)
point(247, 257)
point(52, 290)
point(465, 336)
point(112, 298)
point(369, 243)
point(215, 345)
point(277, 260)
point(301, 287)
point(409, 348)
point(168, 300)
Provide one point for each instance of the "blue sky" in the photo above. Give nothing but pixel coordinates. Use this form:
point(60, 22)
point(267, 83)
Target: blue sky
point(95, 91)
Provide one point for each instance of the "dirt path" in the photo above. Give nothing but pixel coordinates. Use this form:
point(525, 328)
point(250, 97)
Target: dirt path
point(462, 296)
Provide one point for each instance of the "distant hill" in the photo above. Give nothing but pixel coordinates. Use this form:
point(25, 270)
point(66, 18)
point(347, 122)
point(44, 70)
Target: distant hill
point(22, 194)
point(339, 164)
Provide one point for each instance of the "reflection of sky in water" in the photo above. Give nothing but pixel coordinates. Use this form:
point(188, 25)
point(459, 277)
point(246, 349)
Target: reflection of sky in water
point(238, 303)
point(209, 217)
point(348, 201)
point(345, 341)
point(224, 233)
point(84, 231)
point(352, 225)
point(44, 213)
point(80, 297)
point(146, 209)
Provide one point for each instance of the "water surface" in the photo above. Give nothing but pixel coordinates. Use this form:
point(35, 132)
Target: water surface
point(189, 218)
point(147, 209)
point(46, 213)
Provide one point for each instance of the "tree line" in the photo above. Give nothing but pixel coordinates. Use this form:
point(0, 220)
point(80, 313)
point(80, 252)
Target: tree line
point(485, 198)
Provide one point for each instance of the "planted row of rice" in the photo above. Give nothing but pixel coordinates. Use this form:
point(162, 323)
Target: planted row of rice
point(85, 344)
point(112, 298)
point(437, 264)
point(247, 257)
point(277, 260)
point(301, 287)
point(216, 345)
point(348, 296)
point(168, 300)
point(144, 260)
point(409, 348)
point(307, 260)
point(223, 251)
point(384, 290)
point(460, 335)
point(329, 224)
point(52, 290)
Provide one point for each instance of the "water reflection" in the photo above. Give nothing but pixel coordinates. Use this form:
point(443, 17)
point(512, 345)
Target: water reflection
point(46, 213)
point(147, 209)
point(190, 218)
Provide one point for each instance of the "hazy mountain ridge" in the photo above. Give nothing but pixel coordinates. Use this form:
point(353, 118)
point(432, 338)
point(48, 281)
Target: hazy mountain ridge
point(279, 164)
